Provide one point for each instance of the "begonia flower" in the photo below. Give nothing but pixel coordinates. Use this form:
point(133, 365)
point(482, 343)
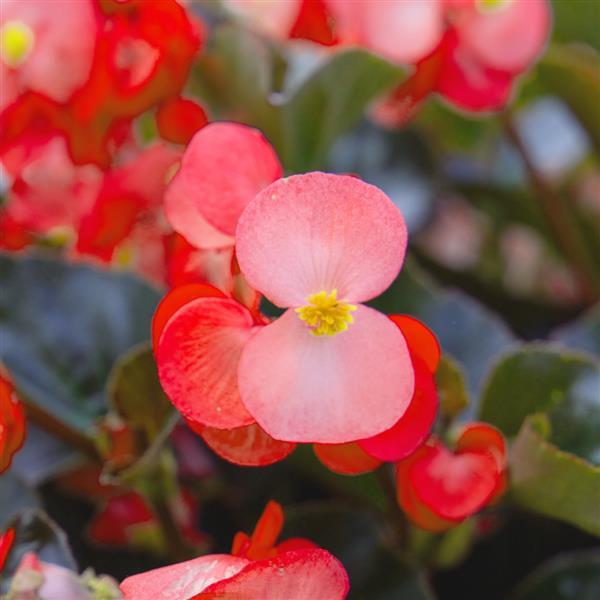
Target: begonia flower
point(486, 45)
point(37, 44)
point(223, 168)
point(6, 542)
point(292, 569)
point(438, 488)
point(178, 119)
point(12, 420)
point(330, 369)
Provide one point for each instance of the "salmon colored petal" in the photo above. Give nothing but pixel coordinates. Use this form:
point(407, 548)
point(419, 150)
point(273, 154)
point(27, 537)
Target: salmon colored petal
point(174, 300)
point(421, 341)
point(183, 215)
point(178, 119)
point(248, 446)
point(509, 37)
point(266, 531)
point(295, 544)
point(197, 360)
point(454, 486)
point(413, 427)
point(298, 574)
point(319, 232)
point(330, 389)
point(345, 459)
point(223, 168)
point(481, 437)
point(182, 580)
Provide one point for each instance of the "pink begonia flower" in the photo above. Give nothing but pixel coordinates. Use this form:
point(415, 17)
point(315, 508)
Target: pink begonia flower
point(36, 43)
point(330, 369)
point(223, 168)
point(401, 30)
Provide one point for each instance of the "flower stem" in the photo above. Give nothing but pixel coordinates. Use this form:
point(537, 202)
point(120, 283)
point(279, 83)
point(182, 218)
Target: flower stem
point(557, 216)
point(396, 517)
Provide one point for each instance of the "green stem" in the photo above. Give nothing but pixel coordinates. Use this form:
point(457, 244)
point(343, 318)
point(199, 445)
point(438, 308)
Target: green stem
point(396, 517)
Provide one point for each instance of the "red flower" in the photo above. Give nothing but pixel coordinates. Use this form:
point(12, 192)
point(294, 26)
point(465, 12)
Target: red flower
point(12, 420)
point(438, 488)
point(256, 568)
point(179, 119)
point(6, 541)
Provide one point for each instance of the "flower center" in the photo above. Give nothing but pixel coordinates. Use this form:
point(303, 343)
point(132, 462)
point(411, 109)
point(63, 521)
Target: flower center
point(325, 314)
point(487, 6)
point(16, 42)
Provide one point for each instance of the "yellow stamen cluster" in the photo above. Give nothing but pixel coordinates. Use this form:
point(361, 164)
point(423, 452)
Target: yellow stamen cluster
point(325, 314)
point(16, 42)
point(492, 5)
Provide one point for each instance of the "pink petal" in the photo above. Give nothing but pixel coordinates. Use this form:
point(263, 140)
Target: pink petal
point(330, 389)
point(298, 574)
point(401, 30)
point(509, 38)
point(271, 17)
point(183, 215)
point(197, 357)
point(182, 580)
point(223, 168)
point(413, 426)
point(318, 231)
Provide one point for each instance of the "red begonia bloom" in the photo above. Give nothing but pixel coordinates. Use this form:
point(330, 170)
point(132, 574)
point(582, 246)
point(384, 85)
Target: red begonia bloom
point(6, 541)
point(326, 371)
point(223, 168)
point(12, 420)
point(438, 488)
point(257, 568)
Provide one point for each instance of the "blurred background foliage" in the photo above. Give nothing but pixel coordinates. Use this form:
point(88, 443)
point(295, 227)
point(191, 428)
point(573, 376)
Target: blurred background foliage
point(503, 212)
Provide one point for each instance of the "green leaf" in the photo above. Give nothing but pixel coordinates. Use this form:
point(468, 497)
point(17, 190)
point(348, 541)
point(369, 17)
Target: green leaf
point(330, 102)
point(576, 21)
point(450, 383)
point(552, 482)
point(573, 74)
point(572, 576)
point(541, 378)
point(134, 391)
point(63, 326)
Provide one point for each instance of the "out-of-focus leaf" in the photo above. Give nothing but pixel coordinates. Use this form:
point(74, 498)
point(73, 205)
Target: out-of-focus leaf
point(541, 378)
point(450, 383)
point(552, 482)
point(398, 162)
point(330, 102)
point(354, 537)
point(454, 545)
point(572, 576)
point(576, 21)
point(573, 74)
point(582, 334)
point(15, 495)
point(36, 532)
point(134, 391)
point(237, 74)
point(62, 327)
point(466, 330)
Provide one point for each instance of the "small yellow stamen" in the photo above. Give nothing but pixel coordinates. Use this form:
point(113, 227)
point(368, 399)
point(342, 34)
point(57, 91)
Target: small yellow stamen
point(16, 42)
point(488, 6)
point(325, 314)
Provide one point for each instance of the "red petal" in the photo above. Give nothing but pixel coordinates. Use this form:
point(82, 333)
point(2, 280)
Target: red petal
point(345, 459)
point(414, 425)
point(197, 357)
point(12, 420)
point(179, 119)
point(421, 341)
point(266, 532)
point(301, 575)
point(248, 446)
point(174, 300)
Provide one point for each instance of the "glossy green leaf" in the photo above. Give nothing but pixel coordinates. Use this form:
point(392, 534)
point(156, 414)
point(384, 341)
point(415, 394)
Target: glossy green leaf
point(552, 482)
point(572, 576)
point(542, 378)
point(63, 326)
point(576, 21)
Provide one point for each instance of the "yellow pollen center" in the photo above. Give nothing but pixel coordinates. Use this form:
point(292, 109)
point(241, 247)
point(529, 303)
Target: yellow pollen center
point(325, 314)
point(492, 5)
point(16, 42)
